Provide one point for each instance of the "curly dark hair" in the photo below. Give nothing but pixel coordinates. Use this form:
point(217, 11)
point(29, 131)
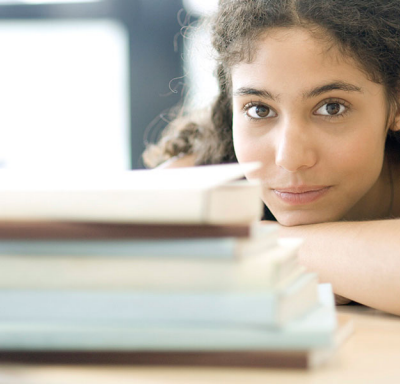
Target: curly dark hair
point(366, 30)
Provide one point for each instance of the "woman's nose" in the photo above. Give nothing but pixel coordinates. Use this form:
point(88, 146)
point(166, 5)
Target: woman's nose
point(295, 149)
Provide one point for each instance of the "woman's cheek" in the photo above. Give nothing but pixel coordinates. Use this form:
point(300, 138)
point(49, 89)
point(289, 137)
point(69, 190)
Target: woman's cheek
point(247, 148)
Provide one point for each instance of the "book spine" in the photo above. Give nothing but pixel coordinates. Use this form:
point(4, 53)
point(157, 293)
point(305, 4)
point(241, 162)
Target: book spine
point(63, 230)
point(223, 248)
point(20, 336)
point(59, 272)
point(210, 308)
point(316, 329)
point(244, 359)
point(143, 307)
point(118, 206)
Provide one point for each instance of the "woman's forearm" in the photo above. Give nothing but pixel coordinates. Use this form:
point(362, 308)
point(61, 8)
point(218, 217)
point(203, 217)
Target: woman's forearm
point(360, 259)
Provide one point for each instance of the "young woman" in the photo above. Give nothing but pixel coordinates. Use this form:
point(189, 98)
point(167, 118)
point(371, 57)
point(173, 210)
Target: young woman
point(310, 88)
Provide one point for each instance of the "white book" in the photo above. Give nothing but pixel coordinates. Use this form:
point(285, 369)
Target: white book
point(205, 194)
point(262, 270)
point(314, 330)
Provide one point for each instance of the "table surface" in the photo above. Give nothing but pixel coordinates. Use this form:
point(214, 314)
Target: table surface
point(370, 355)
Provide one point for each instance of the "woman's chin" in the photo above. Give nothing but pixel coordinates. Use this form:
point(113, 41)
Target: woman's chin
point(291, 219)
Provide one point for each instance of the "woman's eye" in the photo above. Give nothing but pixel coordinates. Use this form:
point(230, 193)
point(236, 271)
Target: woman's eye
point(259, 112)
point(331, 109)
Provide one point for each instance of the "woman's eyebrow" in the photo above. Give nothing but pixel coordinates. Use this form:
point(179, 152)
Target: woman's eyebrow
point(336, 85)
point(245, 91)
point(314, 92)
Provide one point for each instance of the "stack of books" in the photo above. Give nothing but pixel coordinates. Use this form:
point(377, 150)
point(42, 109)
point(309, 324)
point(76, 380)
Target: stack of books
point(155, 267)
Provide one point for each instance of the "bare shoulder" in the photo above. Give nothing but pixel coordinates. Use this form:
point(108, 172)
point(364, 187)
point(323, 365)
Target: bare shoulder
point(178, 162)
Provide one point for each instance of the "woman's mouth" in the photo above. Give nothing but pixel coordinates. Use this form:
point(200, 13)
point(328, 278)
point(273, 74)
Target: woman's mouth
point(301, 195)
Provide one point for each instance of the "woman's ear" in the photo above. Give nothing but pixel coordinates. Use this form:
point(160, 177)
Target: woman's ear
point(394, 126)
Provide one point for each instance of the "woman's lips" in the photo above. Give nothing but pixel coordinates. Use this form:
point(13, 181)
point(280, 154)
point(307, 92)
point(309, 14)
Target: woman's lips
point(300, 195)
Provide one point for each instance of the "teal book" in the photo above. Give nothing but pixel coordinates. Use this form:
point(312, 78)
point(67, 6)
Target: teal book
point(226, 248)
point(252, 308)
point(316, 329)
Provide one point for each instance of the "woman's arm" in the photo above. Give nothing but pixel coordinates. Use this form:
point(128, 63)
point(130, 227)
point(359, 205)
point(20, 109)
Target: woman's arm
point(360, 259)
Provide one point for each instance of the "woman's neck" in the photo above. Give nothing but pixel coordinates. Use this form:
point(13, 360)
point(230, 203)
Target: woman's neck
point(395, 174)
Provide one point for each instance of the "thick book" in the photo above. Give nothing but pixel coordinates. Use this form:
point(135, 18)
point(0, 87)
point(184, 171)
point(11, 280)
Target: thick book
point(295, 359)
point(56, 271)
point(214, 194)
point(224, 308)
point(316, 329)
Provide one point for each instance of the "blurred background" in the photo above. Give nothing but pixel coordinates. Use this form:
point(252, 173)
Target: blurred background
point(83, 84)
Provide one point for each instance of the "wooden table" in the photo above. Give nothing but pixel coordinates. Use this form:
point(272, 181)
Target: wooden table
point(371, 355)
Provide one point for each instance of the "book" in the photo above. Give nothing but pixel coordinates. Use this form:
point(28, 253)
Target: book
point(316, 329)
point(225, 308)
point(129, 263)
point(261, 238)
point(225, 248)
point(261, 270)
point(72, 230)
point(296, 359)
point(205, 194)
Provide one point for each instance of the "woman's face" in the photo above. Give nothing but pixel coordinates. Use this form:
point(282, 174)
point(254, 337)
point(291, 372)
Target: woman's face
point(317, 125)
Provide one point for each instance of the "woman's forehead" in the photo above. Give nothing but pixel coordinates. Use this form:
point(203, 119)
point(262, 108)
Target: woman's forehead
point(286, 43)
point(294, 59)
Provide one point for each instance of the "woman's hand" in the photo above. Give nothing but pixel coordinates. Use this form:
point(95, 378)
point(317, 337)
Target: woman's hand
point(340, 300)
